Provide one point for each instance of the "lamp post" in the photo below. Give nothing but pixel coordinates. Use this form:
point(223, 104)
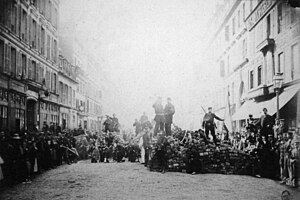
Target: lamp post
point(278, 79)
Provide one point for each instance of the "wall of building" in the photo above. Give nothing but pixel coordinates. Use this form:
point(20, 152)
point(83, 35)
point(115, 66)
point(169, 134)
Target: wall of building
point(242, 52)
point(28, 59)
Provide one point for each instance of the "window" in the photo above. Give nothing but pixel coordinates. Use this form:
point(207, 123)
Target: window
point(33, 36)
point(20, 119)
point(55, 80)
point(279, 18)
point(23, 25)
point(228, 65)
point(251, 5)
point(232, 93)
point(245, 48)
point(295, 15)
point(251, 79)
point(233, 25)
point(34, 71)
point(24, 70)
point(239, 19)
point(227, 33)
point(295, 60)
point(3, 117)
point(222, 68)
point(244, 12)
point(55, 51)
point(13, 61)
point(34, 3)
point(7, 59)
point(14, 15)
point(268, 26)
point(1, 55)
point(48, 46)
point(259, 75)
point(280, 62)
point(42, 46)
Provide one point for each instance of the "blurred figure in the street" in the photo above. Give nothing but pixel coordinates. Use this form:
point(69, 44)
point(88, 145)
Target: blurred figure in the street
point(265, 123)
point(107, 124)
point(146, 142)
point(161, 152)
point(169, 112)
point(276, 128)
point(251, 123)
point(283, 128)
point(138, 127)
point(294, 161)
point(115, 122)
point(159, 116)
point(209, 124)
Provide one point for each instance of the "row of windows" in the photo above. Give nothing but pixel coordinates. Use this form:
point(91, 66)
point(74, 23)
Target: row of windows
point(29, 30)
point(18, 64)
point(48, 9)
point(66, 94)
point(67, 68)
point(93, 107)
point(49, 107)
point(46, 117)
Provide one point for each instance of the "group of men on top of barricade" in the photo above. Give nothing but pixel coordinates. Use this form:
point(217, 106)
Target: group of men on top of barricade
point(111, 124)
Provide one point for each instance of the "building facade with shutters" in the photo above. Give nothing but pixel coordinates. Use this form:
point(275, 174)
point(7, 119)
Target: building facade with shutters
point(255, 40)
point(28, 63)
point(67, 85)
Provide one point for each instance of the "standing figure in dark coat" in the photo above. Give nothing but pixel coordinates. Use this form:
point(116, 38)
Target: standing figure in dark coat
point(159, 116)
point(169, 112)
point(265, 123)
point(144, 118)
point(107, 124)
point(138, 127)
point(146, 141)
point(209, 124)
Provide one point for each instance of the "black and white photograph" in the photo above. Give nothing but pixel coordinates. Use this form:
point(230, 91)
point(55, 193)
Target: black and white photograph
point(149, 99)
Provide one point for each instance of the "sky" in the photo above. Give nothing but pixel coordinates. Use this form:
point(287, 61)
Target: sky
point(146, 49)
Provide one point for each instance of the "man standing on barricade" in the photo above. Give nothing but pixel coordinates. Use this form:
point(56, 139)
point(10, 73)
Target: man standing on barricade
point(159, 116)
point(265, 123)
point(209, 124)
point(144, 118)
point(169, 112)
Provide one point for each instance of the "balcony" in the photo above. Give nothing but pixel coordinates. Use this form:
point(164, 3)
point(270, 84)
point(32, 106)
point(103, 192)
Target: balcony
point(258, 92)
point(266, 44)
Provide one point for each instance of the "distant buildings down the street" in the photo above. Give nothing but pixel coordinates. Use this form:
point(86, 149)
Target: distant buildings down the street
point(43, 79)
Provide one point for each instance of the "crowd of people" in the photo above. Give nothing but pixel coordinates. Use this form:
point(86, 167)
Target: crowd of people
point(273, 145)
point(25, 154)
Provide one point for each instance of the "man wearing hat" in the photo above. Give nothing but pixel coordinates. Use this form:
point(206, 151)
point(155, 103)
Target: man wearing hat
point(169, 112)
point(209, 124)
point(251, 124)
point(159, 116)
point(266, 123)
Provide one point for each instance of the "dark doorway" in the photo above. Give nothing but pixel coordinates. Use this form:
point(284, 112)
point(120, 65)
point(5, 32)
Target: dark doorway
point(31, 114)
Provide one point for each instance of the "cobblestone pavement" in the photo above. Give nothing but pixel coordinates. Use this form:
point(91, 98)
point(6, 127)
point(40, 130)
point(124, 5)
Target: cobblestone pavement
point(85, 180)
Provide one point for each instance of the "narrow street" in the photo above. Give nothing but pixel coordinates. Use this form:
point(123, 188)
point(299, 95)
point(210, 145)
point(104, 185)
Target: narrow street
point(85, 180)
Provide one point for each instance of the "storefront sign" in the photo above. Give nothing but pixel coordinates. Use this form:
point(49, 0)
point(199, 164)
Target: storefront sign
point(260, 11)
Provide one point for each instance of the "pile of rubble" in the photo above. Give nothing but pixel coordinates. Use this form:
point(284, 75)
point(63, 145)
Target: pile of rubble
point(191, 152)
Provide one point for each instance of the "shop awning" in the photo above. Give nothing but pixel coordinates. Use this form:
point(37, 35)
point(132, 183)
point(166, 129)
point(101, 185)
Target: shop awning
point(255, 108)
